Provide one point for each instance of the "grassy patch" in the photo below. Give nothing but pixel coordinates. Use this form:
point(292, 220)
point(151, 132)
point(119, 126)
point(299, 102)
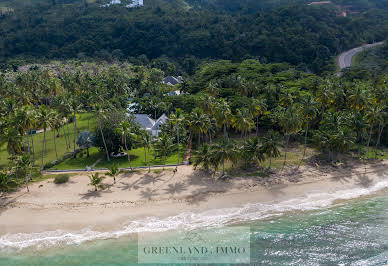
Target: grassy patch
point(49, 156)
point(137, 160)
point(60, 179)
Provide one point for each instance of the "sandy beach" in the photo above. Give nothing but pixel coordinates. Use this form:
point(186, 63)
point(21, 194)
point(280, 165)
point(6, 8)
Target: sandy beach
point(75, 205)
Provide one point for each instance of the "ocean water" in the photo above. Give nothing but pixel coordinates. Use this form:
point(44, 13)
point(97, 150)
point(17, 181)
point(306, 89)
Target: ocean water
point(344, 228)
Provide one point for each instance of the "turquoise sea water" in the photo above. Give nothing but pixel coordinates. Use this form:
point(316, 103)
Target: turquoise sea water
point(352, 232)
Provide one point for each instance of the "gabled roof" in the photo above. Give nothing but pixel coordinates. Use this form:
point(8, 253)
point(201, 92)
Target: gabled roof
point(161, 121)
point(171, 80)
point(144, 121)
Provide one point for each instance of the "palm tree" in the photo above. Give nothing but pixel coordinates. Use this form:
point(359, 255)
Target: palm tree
point(22, 122)
point(358, 97)
point(222, 151)
point(290, 122)
point(100, 115)
point(196, 122)
point(223, 115)
point(6, 183)
point(95, 180)
point(383, 120)
point(251, 151)
point(256, 108)
point(12, 137)
point(203, 157)
point(145, 139)
point(163, 146)
point(243, 122)
point(113, 171)
point(44, 119)
point(373, 116)
point(213, 89)
point(308, 111)
point(24, 164)
point(177, 119)
point(56, 124)
point(125, 130)
point(271, 144)
point(75, 107)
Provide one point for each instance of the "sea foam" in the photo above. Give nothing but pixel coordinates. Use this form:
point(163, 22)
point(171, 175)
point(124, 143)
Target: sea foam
point(188, 220)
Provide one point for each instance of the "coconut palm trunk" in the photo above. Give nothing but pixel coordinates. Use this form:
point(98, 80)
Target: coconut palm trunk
point(75, 133)
point(178, 144)
point(257, 126)
point(145, 155)
point(68, 135)
point(33, 148)
point(305, 142)
point(44, 140)
point(270, 162)
point(286, 150)
point(381, 128)
point(55, 144)
point(369, 138)
point(149, 165)
point(64, 134)
point(103, 140)
point(28, 143)
point(126, 148)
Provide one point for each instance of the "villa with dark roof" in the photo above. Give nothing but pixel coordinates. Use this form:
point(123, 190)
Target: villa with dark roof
point(150, 125)
point(170, 80)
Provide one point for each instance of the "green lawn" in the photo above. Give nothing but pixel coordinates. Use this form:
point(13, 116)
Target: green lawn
point(137, 159)
point(49, 156)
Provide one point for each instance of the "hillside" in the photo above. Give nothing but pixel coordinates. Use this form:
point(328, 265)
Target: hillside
point(182, 34)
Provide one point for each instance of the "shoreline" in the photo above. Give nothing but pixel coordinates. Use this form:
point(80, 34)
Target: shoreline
point(159, 201)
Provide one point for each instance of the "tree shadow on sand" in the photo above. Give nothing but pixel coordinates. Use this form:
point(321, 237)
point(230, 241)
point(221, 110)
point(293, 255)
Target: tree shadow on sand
point(176, 188)
point(149, 178)
point(148, 194)
point(207, 186)
point(95, 194)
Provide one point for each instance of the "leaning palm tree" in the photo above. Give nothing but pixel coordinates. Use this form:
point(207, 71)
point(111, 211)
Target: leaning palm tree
point(203, 157)
point(75, 108)
point(24, 164)
point(373, 116)
point(383, 121)
point(195, 123)
point(256, 108)
point(100, 115)
point(44, 119)
point(271, 144)
point(177, 119)
point(145, 139)
point(308, 111)
point(222, 151)
point(56, 124)
point(243, 122)
point(125, 130)
point(251, 151)
point(223, 115)
point(163, 146)
point(290, 122)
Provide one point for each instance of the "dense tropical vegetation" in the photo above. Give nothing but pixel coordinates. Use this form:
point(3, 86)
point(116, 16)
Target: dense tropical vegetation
point(240, 113)
point(274, 98)
point(176, 36)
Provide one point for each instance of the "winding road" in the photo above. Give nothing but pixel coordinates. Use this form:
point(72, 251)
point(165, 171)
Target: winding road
point(345, 59)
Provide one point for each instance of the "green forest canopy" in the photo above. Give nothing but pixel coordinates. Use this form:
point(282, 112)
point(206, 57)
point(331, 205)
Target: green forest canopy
point(187, 33)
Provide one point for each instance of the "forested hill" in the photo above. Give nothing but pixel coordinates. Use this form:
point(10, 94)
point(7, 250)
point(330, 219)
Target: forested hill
point(184, 33)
